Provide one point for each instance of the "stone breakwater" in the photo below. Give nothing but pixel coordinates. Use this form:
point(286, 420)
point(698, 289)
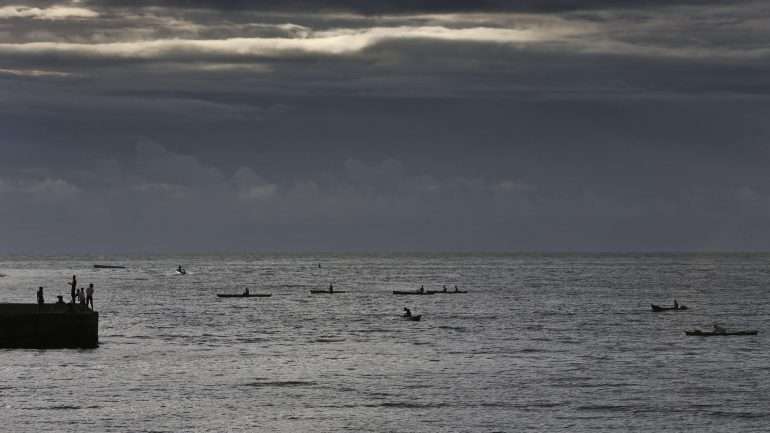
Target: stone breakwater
point(48, 326)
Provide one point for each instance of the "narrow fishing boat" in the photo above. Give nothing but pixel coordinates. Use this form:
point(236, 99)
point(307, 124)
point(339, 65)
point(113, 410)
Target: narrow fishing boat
point(658, 308)
point(411, 292)
point(699, 333)
point(448, 292)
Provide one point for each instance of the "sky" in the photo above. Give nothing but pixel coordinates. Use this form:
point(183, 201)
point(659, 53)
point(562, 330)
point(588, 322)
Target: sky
point(349, 125)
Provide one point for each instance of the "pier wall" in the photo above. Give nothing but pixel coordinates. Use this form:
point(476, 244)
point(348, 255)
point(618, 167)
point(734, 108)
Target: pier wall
point(48, 326)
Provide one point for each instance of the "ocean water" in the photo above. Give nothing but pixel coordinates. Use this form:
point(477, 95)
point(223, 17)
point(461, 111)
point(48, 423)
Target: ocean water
point(540, 343)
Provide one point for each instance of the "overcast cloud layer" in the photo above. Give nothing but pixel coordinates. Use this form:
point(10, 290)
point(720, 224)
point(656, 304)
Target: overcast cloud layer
point(194, 126)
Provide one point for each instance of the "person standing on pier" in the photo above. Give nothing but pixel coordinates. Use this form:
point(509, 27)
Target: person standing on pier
point(82, 296)
point(74, 285)
point(40, 299)
point(90, 296)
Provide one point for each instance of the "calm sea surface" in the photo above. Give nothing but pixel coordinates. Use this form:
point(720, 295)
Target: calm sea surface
point(540, 343)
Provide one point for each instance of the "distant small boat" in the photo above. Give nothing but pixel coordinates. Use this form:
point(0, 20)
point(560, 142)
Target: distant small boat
point(448, 292)
point(414, 318)
point(326, 292)
point(109, 267)
point(244, 295)
point(699, 333)
point(658, 308)
point(412, 292)
point(181, 272)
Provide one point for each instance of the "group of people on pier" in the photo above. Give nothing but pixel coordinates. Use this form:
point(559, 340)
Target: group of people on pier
point(82, 296)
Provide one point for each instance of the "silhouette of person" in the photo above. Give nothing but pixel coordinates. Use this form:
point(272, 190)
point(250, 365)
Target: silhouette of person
point(444, 288)
point(82, 296)
point(422, 289)
point(74, 285)
point(676, 305)
point(246, 291)
point(90, 296)
point(407, 313)
point(40, 299)
point(331, 288)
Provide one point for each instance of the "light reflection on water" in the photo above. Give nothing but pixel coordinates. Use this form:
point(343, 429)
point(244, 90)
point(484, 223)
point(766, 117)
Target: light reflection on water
point(541, 342)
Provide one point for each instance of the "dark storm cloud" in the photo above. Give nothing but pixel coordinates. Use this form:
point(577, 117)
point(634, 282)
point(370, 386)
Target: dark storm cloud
point(601, 125)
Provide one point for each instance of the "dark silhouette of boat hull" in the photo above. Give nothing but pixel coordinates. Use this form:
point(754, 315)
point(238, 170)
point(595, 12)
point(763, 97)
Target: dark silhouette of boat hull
point(448, 292)
point(699, 333)
point(415, 318)
point(658, 308)
point(411, 292)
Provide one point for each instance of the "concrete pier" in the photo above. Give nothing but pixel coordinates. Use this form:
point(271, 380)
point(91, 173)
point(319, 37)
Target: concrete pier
point(48, 326)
